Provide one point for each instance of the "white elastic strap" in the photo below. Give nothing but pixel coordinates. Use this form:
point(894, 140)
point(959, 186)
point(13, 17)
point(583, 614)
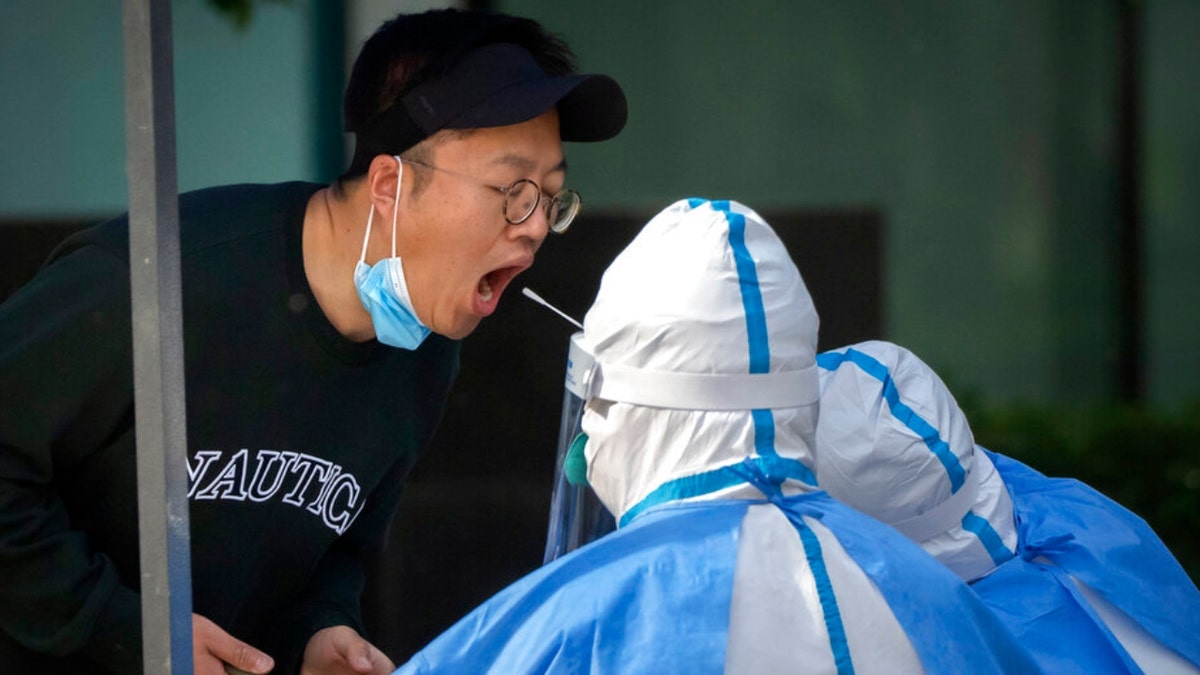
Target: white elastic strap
point(943, 517)
point(396, 206)
point(696, 391)
point(362, 258)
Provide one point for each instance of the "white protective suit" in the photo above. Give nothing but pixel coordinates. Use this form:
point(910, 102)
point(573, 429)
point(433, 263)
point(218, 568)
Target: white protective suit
point(1085, 585)
point(700, 437)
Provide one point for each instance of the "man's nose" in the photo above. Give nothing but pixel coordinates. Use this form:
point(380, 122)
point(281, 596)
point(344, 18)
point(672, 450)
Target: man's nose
point(536, 226)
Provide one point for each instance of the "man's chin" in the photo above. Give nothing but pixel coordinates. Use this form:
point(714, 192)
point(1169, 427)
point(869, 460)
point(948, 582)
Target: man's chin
point(461, 329)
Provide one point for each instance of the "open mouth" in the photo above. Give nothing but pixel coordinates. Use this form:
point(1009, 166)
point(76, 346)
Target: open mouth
point(492, 286)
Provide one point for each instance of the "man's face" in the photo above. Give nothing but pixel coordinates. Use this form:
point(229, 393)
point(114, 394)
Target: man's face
point(459, 251)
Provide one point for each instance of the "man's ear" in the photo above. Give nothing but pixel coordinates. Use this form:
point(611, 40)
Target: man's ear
point(382, 175)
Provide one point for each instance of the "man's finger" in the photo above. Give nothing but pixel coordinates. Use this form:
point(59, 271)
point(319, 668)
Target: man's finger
point(381, 662)
point(358, 653)
point(362, 656)
point(242, 657)
point(233, 652)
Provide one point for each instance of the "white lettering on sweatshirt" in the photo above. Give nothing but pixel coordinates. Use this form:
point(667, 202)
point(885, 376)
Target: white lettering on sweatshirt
point(317, 485)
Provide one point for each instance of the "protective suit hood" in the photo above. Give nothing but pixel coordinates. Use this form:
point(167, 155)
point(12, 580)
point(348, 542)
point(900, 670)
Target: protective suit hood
point(893, 443)
point(704, 337)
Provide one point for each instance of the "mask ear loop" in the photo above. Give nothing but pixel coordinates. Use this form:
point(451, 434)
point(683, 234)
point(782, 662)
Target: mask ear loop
point(362, 258)
point(396, 208)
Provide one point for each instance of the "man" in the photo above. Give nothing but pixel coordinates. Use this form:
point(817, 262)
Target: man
point(319, 330)
point(1085, 585)
point(698, 437)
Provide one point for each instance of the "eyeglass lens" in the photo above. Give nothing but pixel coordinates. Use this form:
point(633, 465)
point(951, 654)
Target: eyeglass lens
point(522, 197)
point(520, 200)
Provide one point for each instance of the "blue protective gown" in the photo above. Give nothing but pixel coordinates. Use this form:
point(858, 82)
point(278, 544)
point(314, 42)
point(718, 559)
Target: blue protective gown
point(1085, 585)
point(1067, 529)
point(655, 597)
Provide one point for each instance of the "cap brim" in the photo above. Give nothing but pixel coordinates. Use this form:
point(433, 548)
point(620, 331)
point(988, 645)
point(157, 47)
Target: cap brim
point(594, 110)
point(590, 107)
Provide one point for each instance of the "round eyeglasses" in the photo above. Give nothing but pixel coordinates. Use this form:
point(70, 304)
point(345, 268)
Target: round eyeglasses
point(522, 197)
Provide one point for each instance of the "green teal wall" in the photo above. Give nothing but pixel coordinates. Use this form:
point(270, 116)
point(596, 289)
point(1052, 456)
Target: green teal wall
point(1172, 157)
point(62, 112)
point(244, 102)
point(985, 132)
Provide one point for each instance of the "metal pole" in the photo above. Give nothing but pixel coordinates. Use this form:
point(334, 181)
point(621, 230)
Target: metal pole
point(157, 339)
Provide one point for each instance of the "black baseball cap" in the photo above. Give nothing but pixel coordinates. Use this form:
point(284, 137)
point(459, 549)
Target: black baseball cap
point(495, 85)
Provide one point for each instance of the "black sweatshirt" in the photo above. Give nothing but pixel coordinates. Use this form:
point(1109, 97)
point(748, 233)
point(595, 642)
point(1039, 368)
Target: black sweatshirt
point(298, 440)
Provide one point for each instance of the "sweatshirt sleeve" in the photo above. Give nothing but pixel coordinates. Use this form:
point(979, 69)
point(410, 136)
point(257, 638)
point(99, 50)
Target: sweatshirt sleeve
point(334, 595)
point(65, 390)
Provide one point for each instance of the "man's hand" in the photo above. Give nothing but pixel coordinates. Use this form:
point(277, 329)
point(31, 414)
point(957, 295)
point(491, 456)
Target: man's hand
point(340, 650)
point(213, 648)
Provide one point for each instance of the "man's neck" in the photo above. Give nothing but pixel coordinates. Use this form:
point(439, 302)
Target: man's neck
point(332, 242)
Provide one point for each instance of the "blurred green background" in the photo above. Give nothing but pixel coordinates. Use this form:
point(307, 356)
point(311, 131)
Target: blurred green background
point(1030, 162)
point(1146, 459)
point(1005, 144)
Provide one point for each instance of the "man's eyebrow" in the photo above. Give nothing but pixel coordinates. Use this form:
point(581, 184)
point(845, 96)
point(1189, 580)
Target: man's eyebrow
point(526, 164)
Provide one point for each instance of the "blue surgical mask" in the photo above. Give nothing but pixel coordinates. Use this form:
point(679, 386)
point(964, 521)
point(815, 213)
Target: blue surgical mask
point(384, 292)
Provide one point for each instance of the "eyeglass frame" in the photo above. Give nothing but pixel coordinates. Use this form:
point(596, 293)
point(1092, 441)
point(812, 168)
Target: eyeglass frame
point(556, 198)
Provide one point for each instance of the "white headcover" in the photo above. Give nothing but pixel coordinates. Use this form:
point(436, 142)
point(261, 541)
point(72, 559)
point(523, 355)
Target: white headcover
point(706, 295)
point(893, 443)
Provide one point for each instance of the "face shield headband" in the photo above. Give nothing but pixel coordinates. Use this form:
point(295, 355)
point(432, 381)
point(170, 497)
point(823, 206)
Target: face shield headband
point(688, 391)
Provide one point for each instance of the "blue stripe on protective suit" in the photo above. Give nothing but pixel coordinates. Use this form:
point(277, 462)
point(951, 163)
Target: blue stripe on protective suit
point(932, 438)
point(1100, 543)
point(902, 413)
point(816, 564)
point(777, 469)
point(756, 316)
point(829, 605)
point(764, 434)
point(654, 597)
point(951, 629)
point(988, 536)
point(758, 344)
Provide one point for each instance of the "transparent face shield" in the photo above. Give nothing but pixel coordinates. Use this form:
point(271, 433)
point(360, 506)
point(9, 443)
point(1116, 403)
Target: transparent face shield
point(576, 515)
